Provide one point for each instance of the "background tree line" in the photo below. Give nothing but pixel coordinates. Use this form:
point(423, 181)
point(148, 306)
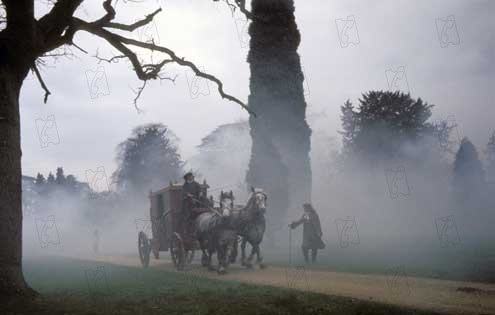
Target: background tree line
point(385, 125)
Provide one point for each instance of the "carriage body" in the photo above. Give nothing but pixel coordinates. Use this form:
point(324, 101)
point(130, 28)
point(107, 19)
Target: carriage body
point(169, 227)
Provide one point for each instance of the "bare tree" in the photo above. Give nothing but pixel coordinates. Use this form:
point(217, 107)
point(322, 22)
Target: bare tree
point(24, 41)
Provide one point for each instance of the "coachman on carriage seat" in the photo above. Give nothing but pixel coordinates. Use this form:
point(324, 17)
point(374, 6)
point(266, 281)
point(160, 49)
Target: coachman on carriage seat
point(191, 194)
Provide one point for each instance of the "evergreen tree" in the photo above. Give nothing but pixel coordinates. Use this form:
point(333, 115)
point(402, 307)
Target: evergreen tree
point(71, 183)
point(281, 137)
point(468, 169)
point(40, 180)
point(50, 179)
point(148, 159)
point(383, 122)
point(349, 125)
point(490, 159)
point(59, 177)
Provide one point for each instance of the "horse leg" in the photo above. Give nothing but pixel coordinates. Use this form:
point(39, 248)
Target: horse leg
point(210, 267)
point(233, 254)
point(259, 258)
point(251, 256)
point(211, 251)
point(243, 251)
point(222, 259)
point(204, 254)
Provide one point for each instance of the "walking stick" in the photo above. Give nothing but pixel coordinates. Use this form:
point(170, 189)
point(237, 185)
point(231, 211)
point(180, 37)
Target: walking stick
point(290, 247)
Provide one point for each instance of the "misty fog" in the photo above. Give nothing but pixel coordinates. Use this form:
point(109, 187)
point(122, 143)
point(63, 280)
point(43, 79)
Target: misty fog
point(397, 212)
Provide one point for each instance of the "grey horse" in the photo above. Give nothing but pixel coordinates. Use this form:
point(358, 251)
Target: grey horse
point(216, 236)
point(250, 224)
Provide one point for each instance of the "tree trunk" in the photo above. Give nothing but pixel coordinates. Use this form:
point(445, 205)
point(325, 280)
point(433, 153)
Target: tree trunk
point(13, 70)
point(281, 137)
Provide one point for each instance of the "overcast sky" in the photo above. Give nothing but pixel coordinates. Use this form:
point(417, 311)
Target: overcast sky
point(446, 49)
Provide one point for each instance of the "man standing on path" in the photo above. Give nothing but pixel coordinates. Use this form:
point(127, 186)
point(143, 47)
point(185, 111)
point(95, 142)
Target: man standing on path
point(311, 232)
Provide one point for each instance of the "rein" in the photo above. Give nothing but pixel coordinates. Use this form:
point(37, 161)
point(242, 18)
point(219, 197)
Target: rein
point(207, 206)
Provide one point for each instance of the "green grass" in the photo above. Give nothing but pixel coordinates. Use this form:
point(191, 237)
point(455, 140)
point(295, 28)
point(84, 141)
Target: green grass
point(68, 287)
point(459, 263)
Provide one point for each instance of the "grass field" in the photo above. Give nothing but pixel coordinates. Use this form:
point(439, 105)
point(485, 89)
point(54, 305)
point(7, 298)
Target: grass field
point(84, 287)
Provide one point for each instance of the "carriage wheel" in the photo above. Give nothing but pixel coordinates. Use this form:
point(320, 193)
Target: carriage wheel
point(177, 251)
point(144, 249)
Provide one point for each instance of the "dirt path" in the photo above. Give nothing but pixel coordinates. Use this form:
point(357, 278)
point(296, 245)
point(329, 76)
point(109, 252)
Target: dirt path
point(452, 297)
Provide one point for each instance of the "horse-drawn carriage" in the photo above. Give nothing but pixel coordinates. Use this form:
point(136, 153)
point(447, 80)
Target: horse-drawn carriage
point(169, 228)
point(202, 227)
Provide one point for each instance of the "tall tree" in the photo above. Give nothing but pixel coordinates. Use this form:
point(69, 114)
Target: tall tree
point(223, 157)
point(349, 125)
point(383, 122)
point(24, 40)
point(50, 180)
point(71, 183)
point(490, 158)
point(469, 176)
point(40, 180)
point(59, 176)
point(148, 159)
point(280, 134)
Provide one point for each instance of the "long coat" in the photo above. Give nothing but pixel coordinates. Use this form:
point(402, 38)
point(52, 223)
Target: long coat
point(195, 190)
point(311, 230)
point(191, 188)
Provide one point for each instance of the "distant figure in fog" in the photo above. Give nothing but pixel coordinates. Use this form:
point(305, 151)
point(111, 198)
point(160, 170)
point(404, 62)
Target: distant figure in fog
point(311, 232)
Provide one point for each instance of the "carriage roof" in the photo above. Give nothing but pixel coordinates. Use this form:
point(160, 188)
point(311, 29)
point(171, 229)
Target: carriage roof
point(173, 187)
point(166, 190)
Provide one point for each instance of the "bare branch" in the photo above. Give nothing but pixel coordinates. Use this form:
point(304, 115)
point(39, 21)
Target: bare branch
point(135, 25)
point(241, 4)
point(65, 29)
point(114, 59)
point(119, 43)
point(42, 83)
point(138, 95)
point(75, 45)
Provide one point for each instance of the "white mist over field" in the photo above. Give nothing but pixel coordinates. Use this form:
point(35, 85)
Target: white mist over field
point(393, 214)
